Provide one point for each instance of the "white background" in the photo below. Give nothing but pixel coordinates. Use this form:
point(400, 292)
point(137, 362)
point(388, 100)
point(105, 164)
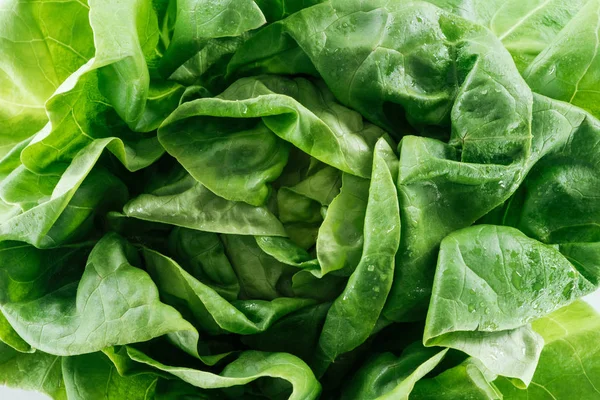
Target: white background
point(15, 394)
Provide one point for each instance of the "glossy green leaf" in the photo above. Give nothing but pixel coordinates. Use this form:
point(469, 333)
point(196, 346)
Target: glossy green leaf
point(71, 204)
point(93, 376)
point(200, 20)
point(248, 367)
point(43, 372)
point(438, 195)
point(187, 203)
point(202, 255)
point(566, 72)
point(214, 313)
point(469, 380)
point(340, 240)
point(89, 315)
point(252, 154)
point(361, 40)
point(80, 117)
point(9, 336)
point(40, 53)
point(287, 252)
point(354, 313)
point(261, 276)
point(525, 28)
point(568, 157)
point(570, 335)
point(297, 111)
point(490, 282)
point(386, 376)
point(122, 61)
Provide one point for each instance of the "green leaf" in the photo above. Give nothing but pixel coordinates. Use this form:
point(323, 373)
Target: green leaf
point(214, 313)
point(208, 66)
point(306, 325)
point(469, 380)
point(43, 372)
point(438, 194)
point(287, 252)
point(354, 313)
point(322, 186)
point(122, 61)
point(250, 366)
point(568, 367)
point(187, 203)
point(490, 282)
point(9, 336)
point(386, 376)
point(340, 240)
point(297, 111)
point(525, 28)
point(200, 20)
point(323, 288)
point(293, 207)
point(69, 208)
point(567, 156)
point(90, 315)
point(93, 376)
point(80, 117)
point(235, 159)
point(260, 275)
point(566, 72)
point(370, 63)
point(41, 52)
point(202, 255)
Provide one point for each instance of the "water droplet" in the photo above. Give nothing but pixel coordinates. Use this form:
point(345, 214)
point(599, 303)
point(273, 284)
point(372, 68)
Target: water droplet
point(517, 280)
point(371, 268)
point(568, 290)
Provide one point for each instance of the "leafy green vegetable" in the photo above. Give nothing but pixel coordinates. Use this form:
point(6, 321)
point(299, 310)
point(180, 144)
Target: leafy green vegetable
point(40, 53)
point(73, 319)
point(43, 372)
point(480, 310)
point(94, 376)
point(273, 199)
point(570, 334)
point(212, 311)
point(469, 380)
point(564, 74)
point(388, 377)
point(356, 310)
point(187, 203)
point(248, 367)
point(524, 27)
